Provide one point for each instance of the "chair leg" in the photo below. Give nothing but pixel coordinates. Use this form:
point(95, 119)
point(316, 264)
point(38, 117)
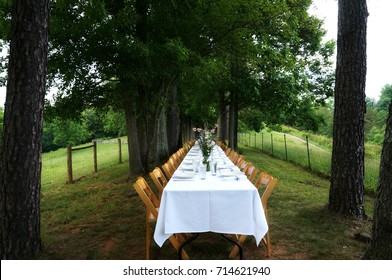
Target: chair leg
point(173, 240)
point(148, 240)
point(266, 241)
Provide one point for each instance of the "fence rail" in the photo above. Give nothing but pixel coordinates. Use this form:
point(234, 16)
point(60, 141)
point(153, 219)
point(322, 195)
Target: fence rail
point(70, 151)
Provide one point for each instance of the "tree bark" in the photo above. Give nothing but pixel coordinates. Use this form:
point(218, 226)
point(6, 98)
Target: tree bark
point(135, 164)
point(346, 190)
point(381, 243)
point(233, 122)
point(173, 122)
point(162, 139)
point(20, 163)
point(222, 117)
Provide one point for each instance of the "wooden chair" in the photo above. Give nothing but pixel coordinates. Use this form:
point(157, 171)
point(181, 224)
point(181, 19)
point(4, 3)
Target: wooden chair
point(186, 147)
point(181, 154)
point(240, 160)
point(251, 171)
point(159, 180)
point(233, 156)
point(262, 180)
point(242, 165)
point(152, 208)
point(270, 185)
point(168, 170)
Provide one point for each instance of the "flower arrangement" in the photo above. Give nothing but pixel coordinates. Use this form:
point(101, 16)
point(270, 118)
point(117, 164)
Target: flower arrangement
point(206, 142)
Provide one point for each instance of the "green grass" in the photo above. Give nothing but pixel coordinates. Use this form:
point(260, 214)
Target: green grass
point(54, 164)
point(97, 218)
point(320, 152)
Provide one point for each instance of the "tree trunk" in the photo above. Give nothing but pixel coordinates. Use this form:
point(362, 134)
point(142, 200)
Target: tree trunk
point(162, 139)
point(186, 127)
point(233, 122)
point(346, 191)
point(20, 163)
point(381, 243)
point(173, 121)
point(142, 113)
point(135, 164)
point(222, 117)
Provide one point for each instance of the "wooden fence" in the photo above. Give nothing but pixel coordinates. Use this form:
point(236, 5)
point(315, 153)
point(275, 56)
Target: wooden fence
point(70, 150)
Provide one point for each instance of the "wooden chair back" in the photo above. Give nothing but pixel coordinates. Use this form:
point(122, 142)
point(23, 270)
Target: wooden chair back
point(158, 179)
point(168, 170)
point(251, 171)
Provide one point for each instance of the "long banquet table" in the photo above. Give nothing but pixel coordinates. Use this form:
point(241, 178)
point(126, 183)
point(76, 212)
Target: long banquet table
point(226, 203)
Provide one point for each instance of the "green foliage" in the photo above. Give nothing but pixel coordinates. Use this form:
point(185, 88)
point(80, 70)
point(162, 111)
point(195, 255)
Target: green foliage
point(93, 125)
point(115, 124)
point(252, 119)
point(4, 49)
point(385, 98)
point(60, 133)
point(268, 52)
point(5, 20)
point(376, 116)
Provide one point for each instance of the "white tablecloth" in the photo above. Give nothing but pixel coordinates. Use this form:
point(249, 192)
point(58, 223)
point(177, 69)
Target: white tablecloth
point(216, 204)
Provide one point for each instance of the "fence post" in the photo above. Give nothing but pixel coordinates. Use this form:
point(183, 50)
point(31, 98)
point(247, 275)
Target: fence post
point(285, 146)
point(262, 141)
point(272, 145)
point(255, 140)
point(249, 140)
point(95, 155)
point(307, 147)
point(69, 164)
point(119, 151)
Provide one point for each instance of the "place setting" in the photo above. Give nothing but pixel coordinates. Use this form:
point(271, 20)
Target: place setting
point(181, 175)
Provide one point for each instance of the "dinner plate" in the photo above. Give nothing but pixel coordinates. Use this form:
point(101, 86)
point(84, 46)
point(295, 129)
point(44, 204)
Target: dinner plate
point(225, 166)
point(229, 173)
point(187, 167)
point(184, 175)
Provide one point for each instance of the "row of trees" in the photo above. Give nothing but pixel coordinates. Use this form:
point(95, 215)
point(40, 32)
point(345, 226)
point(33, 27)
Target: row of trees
point(170, 65)
point(167, 64)
point(92, 124)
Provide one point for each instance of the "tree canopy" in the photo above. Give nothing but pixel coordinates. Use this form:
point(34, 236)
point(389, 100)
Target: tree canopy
point(265, 57)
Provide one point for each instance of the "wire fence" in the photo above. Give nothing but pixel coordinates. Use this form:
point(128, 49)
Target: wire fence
point(304, 153)
point(290, 148)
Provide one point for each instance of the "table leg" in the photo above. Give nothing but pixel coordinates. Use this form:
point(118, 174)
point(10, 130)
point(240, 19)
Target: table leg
point(196, 235)
point(186, 242)
point(236, 243)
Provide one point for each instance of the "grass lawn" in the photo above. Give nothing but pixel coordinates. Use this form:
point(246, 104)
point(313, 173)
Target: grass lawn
point(97, 218)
